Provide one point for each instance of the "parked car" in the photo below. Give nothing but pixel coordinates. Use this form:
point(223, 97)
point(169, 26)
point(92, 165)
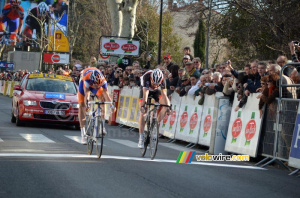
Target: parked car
point(43, 97)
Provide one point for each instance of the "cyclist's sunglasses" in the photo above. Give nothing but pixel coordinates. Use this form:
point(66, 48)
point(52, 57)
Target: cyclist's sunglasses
point(15, 7)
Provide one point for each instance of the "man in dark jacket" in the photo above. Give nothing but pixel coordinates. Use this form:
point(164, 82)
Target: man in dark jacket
point(167, 62)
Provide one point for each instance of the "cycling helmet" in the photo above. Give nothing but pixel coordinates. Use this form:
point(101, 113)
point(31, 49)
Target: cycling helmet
point(157, 76)
point(42, 9)
point(96, 77)
point(15, 2)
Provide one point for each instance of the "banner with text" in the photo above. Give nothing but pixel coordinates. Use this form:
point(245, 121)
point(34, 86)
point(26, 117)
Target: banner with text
point(169, 123)
point(208, 116)
point(189, 120)
point(119, 46)
point(244, 128)
point(55, 58)
point(294, 159)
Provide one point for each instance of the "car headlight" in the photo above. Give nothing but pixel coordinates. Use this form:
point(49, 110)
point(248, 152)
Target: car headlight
point(75, 106)
point(29, 102)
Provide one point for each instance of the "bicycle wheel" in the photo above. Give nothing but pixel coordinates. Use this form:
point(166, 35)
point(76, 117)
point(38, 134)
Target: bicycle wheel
point(146, 137)
point(90, 145)
point(90, 142)
point(99, 135)
point(153, 139)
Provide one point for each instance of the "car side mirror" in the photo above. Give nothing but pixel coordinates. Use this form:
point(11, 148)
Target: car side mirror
point(17, 87)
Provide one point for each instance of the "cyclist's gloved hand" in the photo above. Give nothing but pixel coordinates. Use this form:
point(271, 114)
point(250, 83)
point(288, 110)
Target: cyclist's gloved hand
point(143, 109)
point(112, 108)
point(168, 111)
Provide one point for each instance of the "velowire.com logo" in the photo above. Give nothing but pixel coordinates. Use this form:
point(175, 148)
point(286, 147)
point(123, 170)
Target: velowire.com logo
point(187, 157)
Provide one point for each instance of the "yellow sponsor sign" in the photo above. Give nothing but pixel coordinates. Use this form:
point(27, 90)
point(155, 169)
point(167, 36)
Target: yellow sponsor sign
point(52, 76)
point(60, 40)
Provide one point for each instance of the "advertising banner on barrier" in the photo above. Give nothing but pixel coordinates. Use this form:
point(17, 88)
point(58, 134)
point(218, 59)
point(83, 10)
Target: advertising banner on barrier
point(134, 108)
point(5, 88)
point(2, 83)
point(114, 94)
point(219, 135)
point(244, 128)
point(12, 88)
point(8, 89)
point(208, 116)
point(189, 120)
point(294, 159)
point(123, 106)
point(169, 123)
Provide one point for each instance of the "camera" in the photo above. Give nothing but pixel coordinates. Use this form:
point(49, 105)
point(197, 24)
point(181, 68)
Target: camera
point(297, 46)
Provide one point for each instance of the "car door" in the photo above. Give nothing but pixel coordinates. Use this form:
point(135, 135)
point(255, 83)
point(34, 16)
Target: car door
point(17, 94)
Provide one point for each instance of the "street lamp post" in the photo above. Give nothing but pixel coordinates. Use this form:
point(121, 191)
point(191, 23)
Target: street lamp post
point(160, 32)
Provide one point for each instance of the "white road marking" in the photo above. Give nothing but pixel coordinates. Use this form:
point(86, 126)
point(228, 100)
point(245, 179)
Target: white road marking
point(174, 146)
point(123, 158)
point(36, 138)
point(74, 138)
point(77, 139)
point(126, 142)
point(22, 150)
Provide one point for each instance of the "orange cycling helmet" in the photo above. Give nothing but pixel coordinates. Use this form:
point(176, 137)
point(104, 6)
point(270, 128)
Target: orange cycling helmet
point(97, 78)
point(15, 2)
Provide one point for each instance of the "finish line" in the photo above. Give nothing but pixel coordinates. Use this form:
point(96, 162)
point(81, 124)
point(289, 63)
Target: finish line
point(78, 156)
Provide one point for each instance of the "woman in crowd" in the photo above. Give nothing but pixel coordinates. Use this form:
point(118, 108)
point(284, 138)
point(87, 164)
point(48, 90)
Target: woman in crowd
point(270, 92)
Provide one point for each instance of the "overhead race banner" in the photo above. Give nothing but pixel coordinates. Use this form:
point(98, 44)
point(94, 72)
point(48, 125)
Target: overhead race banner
point(119, 46)
point(244, 128)
point(294, 159)
point(169, 123)
point(6, 65)
point(189, 120)
point(23, 23)
point(55, 58)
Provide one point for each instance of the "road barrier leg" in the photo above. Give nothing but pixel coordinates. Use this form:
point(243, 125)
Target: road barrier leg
point(192, 146)
point(121, 125)
point(294, 172)
point(188, 145)
point(171, 141)
point(276, 161)
point(262, 161)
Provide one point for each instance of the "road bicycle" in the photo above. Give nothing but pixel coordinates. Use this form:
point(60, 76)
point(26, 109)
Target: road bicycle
point(94, 126)
point(151, 130)
point(6, 40)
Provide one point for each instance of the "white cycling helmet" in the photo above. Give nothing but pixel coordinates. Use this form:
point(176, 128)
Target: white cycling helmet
point(42, 9)
point(157, 76)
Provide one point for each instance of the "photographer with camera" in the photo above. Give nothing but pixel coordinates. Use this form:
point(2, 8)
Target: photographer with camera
point(295, 50)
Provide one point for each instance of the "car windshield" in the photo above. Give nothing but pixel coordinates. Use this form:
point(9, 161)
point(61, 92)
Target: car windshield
point(51, 85)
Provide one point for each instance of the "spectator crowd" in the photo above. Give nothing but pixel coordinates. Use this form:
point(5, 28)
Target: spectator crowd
point(190, 79)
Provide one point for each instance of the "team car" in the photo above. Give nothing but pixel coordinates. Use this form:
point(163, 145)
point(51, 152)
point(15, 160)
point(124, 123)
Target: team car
point(48, 98)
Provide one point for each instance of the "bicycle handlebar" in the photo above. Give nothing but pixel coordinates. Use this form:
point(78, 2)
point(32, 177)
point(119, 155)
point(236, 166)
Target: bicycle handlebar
point(162, 105)
point(99, 103)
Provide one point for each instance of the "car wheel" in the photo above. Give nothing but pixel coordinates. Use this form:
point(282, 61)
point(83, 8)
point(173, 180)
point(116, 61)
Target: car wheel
point(18, 122)
point(13, 118)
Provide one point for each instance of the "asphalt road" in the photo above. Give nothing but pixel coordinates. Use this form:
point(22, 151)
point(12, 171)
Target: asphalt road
point(58, 166)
